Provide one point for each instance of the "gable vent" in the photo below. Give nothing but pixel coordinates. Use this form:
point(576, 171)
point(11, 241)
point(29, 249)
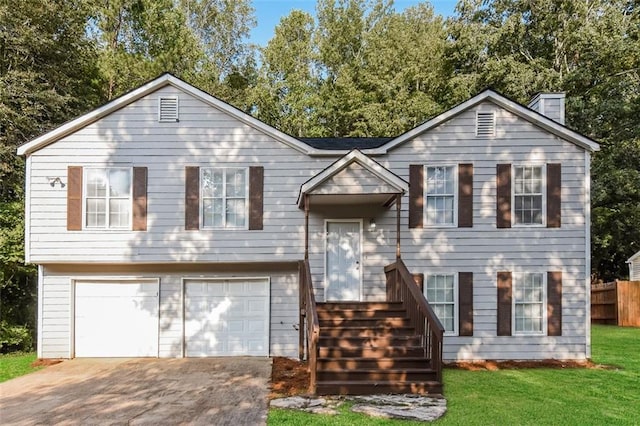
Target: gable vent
point(168, 109)
point(486, 124)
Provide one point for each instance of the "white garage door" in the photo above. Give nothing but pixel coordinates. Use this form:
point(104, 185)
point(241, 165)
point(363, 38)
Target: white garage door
point(116, 318)
point(226, 317)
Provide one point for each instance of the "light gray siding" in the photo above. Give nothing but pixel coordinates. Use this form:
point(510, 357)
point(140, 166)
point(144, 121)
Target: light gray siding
point(354, 179)
point(634, 269)
point(57, 322)
point(208, 137)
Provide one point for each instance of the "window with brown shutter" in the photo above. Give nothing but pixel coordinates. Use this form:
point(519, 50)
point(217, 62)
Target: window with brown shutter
point(139, 199)
point(504, 303)
point(503, 196)
point(256, 194)
point(465, 195)
point(74, 198)
point(416, 196)
point(465, 301)
point(192, 198)
point(554, 303)
point(554, 195)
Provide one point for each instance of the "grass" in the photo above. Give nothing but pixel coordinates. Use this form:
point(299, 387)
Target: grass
point(16, 364)
point(530, 396)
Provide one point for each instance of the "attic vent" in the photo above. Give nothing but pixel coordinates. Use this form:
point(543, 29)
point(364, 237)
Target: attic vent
point(486, 124)
point(168, 109)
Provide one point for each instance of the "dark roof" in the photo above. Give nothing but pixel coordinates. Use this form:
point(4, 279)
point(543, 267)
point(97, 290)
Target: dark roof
point(345, 143)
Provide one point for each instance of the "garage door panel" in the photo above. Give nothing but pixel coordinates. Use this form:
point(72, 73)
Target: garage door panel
point(116, 319)
point(226, 317)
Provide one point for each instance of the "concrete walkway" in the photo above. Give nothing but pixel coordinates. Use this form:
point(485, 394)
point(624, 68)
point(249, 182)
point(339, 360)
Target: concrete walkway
point(207, 391)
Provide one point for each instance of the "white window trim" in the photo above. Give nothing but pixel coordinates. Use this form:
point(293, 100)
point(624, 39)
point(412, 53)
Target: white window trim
point(456, 299)
point(246, 204)
point(426, 223)
point(172, 120)
point(517, 279)
point(84, 201)
point(543, 172)
point(495, 126)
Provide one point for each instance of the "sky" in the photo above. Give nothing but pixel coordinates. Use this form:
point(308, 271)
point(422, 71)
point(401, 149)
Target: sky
point(269, 12)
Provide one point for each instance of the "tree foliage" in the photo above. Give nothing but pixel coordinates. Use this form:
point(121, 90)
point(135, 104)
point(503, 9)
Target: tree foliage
point(355, 68)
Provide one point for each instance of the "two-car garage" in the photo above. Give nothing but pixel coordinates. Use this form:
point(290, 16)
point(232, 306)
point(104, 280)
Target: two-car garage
point(219, 316)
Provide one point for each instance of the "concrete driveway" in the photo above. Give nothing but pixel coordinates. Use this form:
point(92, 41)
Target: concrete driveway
point(205, 391)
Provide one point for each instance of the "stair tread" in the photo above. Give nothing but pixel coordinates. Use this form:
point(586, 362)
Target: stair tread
point(382, 370)
point(377, 382)
point(369, 358)
point(358, 327)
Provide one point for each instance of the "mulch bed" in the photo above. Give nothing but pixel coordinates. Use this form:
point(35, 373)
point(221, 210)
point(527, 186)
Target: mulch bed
point(45, 362)
point(288, 377)
point(514, 365)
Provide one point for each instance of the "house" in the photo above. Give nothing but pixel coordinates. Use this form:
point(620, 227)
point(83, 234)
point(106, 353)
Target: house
point(634, 267)
point(167, 223)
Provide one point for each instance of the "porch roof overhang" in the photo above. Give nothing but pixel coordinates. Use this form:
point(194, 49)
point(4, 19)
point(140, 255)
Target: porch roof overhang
point(354, 179)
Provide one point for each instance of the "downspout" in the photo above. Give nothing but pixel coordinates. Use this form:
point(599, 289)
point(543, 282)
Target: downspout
point(306, 226)
point(398, 198)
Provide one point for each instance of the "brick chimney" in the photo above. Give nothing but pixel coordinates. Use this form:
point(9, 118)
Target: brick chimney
point(550, 105)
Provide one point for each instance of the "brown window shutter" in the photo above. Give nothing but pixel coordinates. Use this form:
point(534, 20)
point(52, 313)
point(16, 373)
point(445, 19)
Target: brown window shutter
point(192, 198)
point(554, 195)
point(139, 199)
point(503, 196)
point(74, 198)
point(465, 302)
point(504, 303)
point(256, 197)
point(465, 195)
point(554, 303)
point(416, 196)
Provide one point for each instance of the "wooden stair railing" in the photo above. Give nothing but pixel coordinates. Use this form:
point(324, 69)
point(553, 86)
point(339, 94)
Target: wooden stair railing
point(309, 323)
point(401, 287)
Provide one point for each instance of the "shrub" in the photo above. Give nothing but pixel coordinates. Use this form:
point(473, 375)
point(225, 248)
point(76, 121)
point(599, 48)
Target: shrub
point(14, 338)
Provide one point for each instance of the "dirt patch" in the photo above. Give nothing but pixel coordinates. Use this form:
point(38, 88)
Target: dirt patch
point(515, 365)
point(289, 377)
point(45, 362)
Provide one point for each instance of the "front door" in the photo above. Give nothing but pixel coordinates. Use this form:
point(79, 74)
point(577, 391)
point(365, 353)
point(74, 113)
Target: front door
point(343, 275)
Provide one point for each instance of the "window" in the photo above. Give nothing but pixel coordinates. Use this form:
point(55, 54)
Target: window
point(528, 198)
point(485, 124)
point(440, 195)
point(224, 197)
point(528, 299)
point(440, 291)
point(108, 198)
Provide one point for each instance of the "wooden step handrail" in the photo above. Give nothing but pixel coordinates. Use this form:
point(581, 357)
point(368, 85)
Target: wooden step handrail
point(401, 287)
point(309, 323)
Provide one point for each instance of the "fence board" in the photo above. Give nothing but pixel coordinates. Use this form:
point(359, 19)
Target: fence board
point(616, 303)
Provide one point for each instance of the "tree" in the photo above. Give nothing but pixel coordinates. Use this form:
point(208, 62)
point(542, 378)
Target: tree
point(286, 93)
point(47, 76)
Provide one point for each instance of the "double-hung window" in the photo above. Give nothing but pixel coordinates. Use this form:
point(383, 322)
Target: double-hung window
point(440, 195)
point(441, 292)
point(529, 303)
point(107, 198)
point(528, 195)
point(224, 197)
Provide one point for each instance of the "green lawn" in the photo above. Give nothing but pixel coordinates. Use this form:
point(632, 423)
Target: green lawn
point(16, 364)
point(531, 396)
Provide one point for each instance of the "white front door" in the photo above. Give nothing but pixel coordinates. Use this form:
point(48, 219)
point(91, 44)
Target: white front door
point(343, 275)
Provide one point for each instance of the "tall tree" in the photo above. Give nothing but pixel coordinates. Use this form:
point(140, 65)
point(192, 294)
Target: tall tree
point(286, 93)
point(47, 76)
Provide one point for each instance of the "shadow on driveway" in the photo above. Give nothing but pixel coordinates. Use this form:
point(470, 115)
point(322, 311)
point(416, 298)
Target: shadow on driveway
point(203, 391)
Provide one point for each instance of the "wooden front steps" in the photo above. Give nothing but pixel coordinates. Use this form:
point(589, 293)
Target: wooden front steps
point(370, 348)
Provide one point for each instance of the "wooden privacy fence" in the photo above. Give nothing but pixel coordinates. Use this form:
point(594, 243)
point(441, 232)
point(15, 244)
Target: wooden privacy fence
point(616, 303)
